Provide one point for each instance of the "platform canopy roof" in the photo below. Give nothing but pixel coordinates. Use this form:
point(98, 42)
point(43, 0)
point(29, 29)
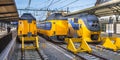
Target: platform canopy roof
point(8, 11)
point(105, 9)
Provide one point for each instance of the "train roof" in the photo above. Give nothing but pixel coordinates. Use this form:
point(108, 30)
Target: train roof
point(81, 15)
point(88, 17)
point(56, 16)
point(85, 16)
point(27, 16)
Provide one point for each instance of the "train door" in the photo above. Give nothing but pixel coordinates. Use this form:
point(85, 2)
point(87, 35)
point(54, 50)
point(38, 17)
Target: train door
point(30, 27)
point(76, 27)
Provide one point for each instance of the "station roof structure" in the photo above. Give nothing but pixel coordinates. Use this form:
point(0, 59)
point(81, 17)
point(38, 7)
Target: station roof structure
point(8, 10)
point(105, 9)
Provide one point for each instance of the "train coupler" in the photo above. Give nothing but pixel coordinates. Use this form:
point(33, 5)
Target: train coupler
point(83, 47)
point(112, 43)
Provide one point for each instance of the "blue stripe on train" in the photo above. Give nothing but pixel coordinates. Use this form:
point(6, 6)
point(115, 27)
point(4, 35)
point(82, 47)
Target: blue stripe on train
point(74, 26)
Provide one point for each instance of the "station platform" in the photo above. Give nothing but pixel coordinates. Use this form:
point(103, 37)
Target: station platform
point(7, 44)
point(3, 33)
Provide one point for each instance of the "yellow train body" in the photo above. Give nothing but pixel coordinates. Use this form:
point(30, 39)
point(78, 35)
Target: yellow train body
point(86, 33)
point(24, 27)
point(27, 31)
point(58, 28)
point(84, 29)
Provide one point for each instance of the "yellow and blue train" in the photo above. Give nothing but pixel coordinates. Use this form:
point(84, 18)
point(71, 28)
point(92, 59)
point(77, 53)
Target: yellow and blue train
point(85, 26)
point(27, 25)
point(27, 31)
point(55, 27)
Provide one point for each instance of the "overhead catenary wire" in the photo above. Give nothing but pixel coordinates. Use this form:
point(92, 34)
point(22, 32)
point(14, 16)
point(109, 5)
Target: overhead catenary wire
point(50, 4)
point(47, 7)
point(68, 4)
point(61, 2)
point(41, 4)
point(29, 3)
point(54, 3)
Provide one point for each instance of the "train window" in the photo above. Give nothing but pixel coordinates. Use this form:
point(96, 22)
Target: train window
point(75, 20)
point(48, 25)
point(92, 23)
point(76, 27)
point(38, 25)
point(69, 20)
point(29, 21)
point(42, 25)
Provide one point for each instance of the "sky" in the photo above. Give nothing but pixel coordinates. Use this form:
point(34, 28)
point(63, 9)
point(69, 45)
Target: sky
point(73, 6)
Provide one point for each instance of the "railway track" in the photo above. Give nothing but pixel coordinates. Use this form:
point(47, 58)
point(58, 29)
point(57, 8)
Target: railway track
point(87, 56)
point(82, 55)
point(99, 47)
point(31, 55)
point(34, 54)
point(97, 54)
point(112, 55)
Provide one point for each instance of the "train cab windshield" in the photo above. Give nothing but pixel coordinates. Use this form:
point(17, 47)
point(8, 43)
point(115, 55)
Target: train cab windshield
point(93, 23)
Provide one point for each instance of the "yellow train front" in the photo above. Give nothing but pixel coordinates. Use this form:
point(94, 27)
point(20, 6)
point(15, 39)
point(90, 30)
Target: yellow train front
point(54, 28)
point(85, 26)
point(27, 31)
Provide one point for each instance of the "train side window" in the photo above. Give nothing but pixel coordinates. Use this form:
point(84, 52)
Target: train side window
point(77, 26)
point(69, 20)
point(75, 20)
point(48, 25)
point(80, 25)
point(43, 25)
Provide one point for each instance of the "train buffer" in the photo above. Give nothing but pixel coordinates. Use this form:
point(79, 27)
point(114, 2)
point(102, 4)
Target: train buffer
point(33, 39)
point(83, 46)
point(111, 43)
